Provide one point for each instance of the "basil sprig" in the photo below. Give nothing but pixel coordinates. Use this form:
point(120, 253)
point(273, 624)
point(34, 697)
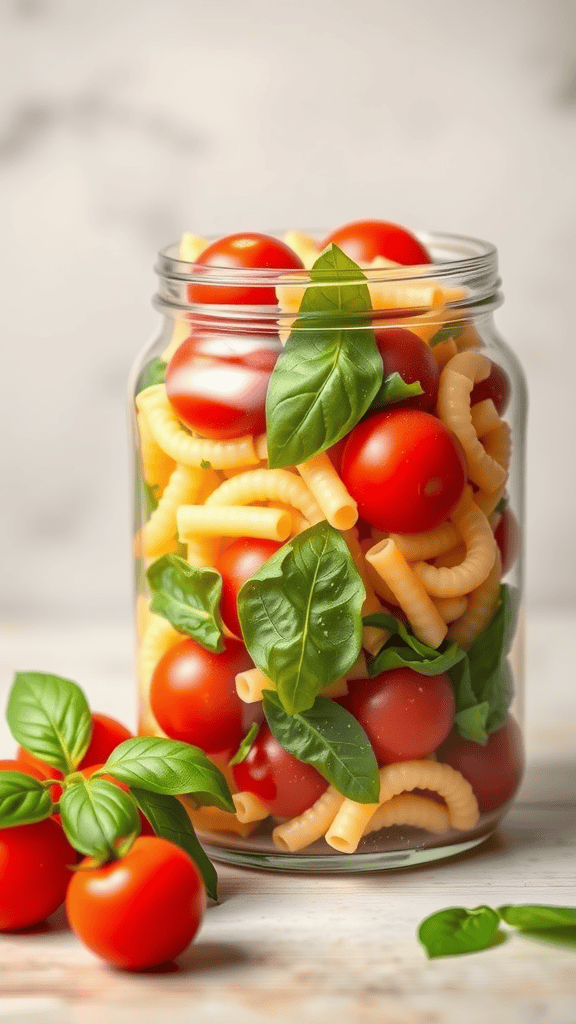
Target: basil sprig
point(97, 816)
point(170, 821)
point(189, 598)
point(459, 930)
point(23, 799)
point(446, 332)
point(245, 746)
point(411, 653)
point(328, 737)
point(49, 716)
point(153, 373)
point(329, 370)
point(394, 389)
point(301, 615)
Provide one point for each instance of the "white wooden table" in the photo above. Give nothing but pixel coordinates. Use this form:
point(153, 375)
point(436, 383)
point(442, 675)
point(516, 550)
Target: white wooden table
point(281, 949)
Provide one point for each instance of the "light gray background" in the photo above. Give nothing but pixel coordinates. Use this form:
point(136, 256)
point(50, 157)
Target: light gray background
point(124, 122)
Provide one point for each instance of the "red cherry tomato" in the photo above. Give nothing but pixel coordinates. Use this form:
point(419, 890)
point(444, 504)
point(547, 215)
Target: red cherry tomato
point(508, 539)
point(237, 563)
point(12, 765)
point(493, 771)
point(496, 386)
point(107, 734)
point(217, 383)
point(145, 826)
point(363, 240)
point(141, 910)
point(405, 353)
point(34, 872)
point(244, 251)
point(405, 470)
point(285, 786)
point(404, 714)
point(193, 694)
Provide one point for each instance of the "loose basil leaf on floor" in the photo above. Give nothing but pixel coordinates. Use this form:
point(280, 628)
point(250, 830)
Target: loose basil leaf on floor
point(328, 737)
point(394, 389)
point(170, 821)
point(413, 653)
point(246, 745)
point(23, 799)
point(449, 331)
point(538, 917)
point(189, 598)
point(169, 767)
point(301, 615)
point(329, 370)
point(458, 930)
point(49, 716)
point(96, 815)
point(153, 373)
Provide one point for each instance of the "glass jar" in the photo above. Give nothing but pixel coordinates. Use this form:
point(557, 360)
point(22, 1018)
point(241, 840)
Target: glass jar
point(418, 520)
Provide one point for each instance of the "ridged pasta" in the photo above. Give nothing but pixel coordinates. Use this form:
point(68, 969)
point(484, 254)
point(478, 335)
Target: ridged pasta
point(481, 607)
point(484, 416)
point(202, 551)
point(268, 485)
point(410, 809)
point(212, 819)
point(444, 351)
point(309, 826)
point(498, 444)
point(180, 445)
point(451, 608)
point(372, 636)
point(249, 808)
point(156, 465)
point(338, 507)
point(422, 546)
point(186, 485)
point(427, 623)
point(474, 528)
point(232, 521)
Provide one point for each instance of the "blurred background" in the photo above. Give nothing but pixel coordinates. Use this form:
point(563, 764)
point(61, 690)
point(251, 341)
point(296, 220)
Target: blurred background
point(126, 122)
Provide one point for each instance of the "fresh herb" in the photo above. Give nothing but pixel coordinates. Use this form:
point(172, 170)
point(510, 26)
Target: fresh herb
point(328, 737)
point(502, 505)
point(458, 930)
point(153, 373)
point(449, 331)
point(412, 653)
point(189, 598)
point(49, 716)
point(169, 820)
point(97, 816)
point(301, 615)
point(329, 370)
point(23, 799)
point(205, 464)
point(151, 497)
point(245, 746)
point(394, 389)
point(538, 917)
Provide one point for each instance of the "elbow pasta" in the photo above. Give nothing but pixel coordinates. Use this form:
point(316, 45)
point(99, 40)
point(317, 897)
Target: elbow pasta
point(268, 485)
point(477, 535)
point(410, 809)
point(426, 621)
point(249, 808)
point(338, 507)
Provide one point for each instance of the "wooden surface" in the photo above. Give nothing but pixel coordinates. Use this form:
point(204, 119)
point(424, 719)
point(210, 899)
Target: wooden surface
point(281, 948)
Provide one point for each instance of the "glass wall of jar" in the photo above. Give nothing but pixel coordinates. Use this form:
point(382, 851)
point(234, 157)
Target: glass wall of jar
point(328, 549)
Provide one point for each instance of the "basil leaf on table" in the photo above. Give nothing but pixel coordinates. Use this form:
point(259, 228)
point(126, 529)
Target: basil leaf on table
point(49, 716)
point(538, 917)
point(189, 598)
point(458, 930)
point(329, 370)
point(329, 738)
point(412, 653)
point(169, 767)
point(446, 332)
point(153, 373)
point(23, 799)
point(96, 815)
point(394, 389)
point(301, 615)
point(245, 746)
point(170, 821)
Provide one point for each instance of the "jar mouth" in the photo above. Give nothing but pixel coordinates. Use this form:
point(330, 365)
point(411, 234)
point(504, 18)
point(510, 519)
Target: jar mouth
point(464, 269)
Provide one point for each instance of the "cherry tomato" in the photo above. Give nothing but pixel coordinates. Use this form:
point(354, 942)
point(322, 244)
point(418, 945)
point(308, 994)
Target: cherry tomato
point(141, 910)
point(237, 563)
point(285, 786)
point(364, 240)
point(34, 872)
point(405, 470)
point(22, 766)
point(217, 383)
point(493, 771)
point(193, 694)
point(244, 251)
point(404, 714)
point(107, 734)
point(145, 826)
point(508, 539)
point(405, 353)
point(496, 386)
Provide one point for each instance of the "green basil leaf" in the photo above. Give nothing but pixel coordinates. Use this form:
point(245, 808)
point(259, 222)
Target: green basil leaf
point(394, 389)
point(471, 722)
point(413, 654)
point(96, 815)
point(490, 674)
point(170, 821)
point(246, 745)
point(538, 917)
point(301, 615)
point(153, 373)
point(49, 716)
point(458, 930)
point(189, 598)
point(151, 497)
point(328, 737)
point(329, 370)
point(23, 799)
point(449, 331)
point(502, 505)
point(169, 767)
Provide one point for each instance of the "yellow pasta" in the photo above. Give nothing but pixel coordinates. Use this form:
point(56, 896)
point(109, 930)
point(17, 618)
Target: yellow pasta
point(180, 332)
point(268, 485)
point(202, 551)
point(212, 819)
point(484, 417)
point(359, 669)
point(338, 507)
point(261, 446)
point(158, 638)
point(410, 809)
point(451, 608)
point(249, 808)
point(427, 624)
point(488, 500)
point(498, 445)
point(421, 546)
point(456, 382)
point(444, 351)
point(180, 445)
point(156, 465)
point(306, 247)
point(474, 528)
point(372, 636)
point(232, 521)
point(192, 246)
point(142, 615)
point(309, 826)
point(339, 688)
point(251, 684)
point(481, 607)
point(184, 486)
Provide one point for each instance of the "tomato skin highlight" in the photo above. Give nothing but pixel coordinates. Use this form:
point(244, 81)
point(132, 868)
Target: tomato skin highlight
point(285, 786)
point(405, 470)
point(140, 911)
point(405, 715)
point(364, 240)
point(193, 695)
point(217, 384)
point(237, 563)
point(405, 353)
point(494, 771)
point(34, 873)
point(247, 250)
point(496, 386)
